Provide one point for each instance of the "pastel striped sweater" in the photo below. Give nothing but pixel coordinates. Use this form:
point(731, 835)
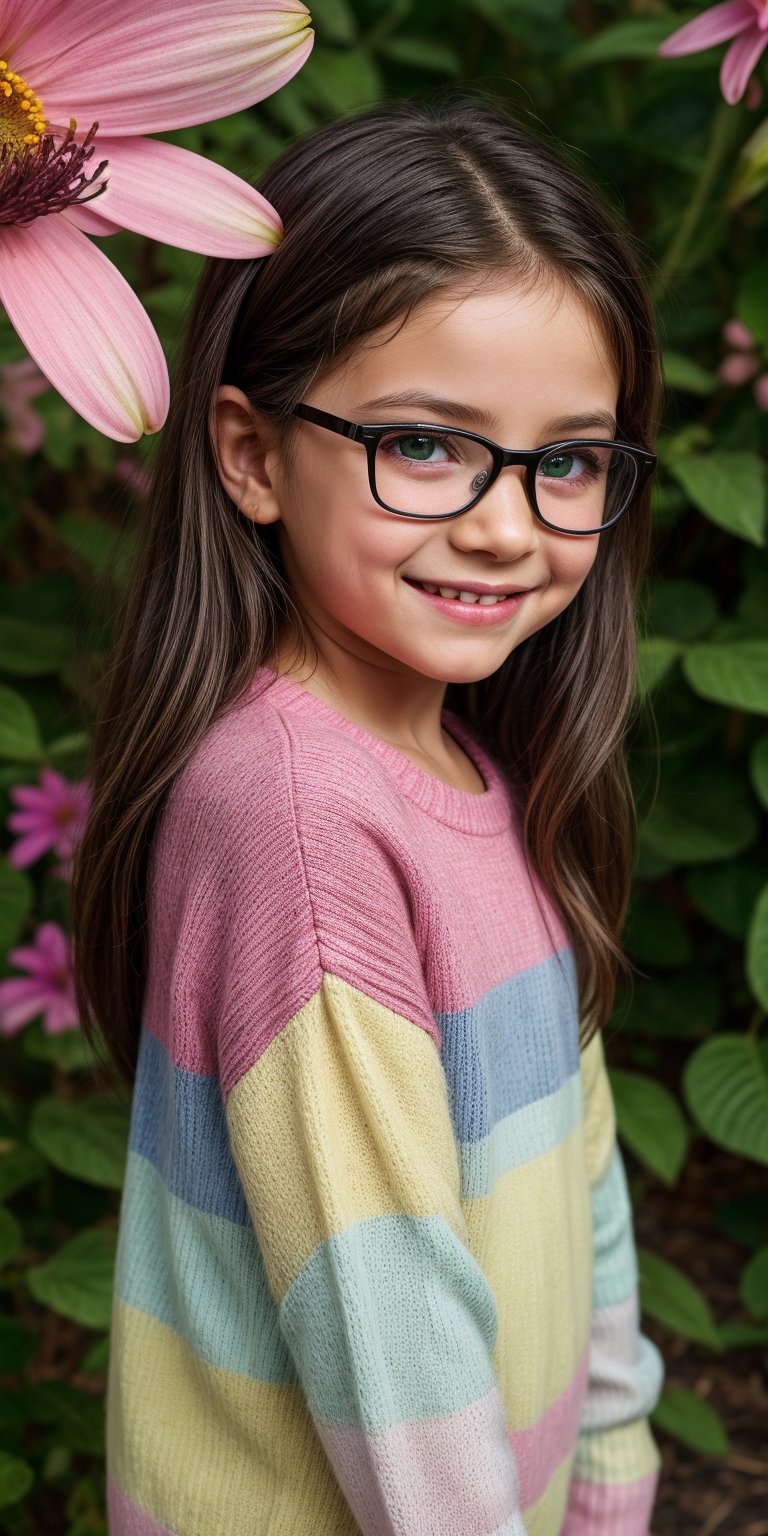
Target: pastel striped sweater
point(375, 1269)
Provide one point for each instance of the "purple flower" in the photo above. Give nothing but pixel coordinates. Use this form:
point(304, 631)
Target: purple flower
point(746, 21)
point(48, 989)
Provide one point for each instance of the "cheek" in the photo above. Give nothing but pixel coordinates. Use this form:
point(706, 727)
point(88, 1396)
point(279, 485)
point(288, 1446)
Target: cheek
point(571, 560)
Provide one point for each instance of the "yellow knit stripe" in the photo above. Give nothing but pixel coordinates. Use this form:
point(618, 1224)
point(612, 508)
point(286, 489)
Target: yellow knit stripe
point(546, 1515)
point(345, 1116)
point(538, 1265)
point(620, 1455)
point(203, 1449)
point(599, 1112)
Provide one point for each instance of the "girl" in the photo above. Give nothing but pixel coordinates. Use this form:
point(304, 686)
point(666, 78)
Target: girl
point(347, 910)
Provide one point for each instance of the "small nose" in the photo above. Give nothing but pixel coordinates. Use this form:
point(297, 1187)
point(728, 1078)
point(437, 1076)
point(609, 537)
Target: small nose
point(501, 520)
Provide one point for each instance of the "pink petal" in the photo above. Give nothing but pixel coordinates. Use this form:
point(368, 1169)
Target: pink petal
point(713, 26)
point(82, 322)
point(156, 64)
point(60, 1014)
point(28, 849)
point(737, 335)
point(28, 958)
point(29, 795)
point(54, 784)
point(760, 389)
point(739, 62)
point(83, 217)
point(171, 194)
point(20, 1001)
point(26, 821)
point(52, 941)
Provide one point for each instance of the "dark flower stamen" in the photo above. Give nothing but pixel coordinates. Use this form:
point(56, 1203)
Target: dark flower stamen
point(47, 178)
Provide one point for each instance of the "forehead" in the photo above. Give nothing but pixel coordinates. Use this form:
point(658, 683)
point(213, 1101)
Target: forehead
point(520, 353)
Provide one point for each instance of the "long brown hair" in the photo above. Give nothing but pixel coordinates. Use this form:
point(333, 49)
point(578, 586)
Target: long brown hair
point(380, 211)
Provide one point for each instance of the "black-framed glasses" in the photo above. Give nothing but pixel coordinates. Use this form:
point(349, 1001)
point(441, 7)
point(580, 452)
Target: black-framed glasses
point(418, 469)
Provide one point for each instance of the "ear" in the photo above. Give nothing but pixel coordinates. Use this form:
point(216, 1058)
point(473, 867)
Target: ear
point(244, 443)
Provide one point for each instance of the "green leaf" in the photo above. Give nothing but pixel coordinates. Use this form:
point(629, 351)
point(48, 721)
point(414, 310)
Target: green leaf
point(76, 1417)
point(336, 21)
point(637, 39)
point(753, 1285)
point(87, 1139)
point(344, 81)
point(683, 374)
point(19, 735)
point(15, 903)
point(16, 1479)
point(691, 1419)
point(751, 175)
point(735, 674)
point(77, 1281)
point(31, 649)
point(422, 53)
point(655, 935)
point(11, 1237)
point(19, 1166)
point(757, 950)
point(650, 1122)
point(752, 301)
point(758, 769)
point(728, 486)
point(96, 1357)
point(17, 1346)
point(68, 1049)
point(655, 656)
point(743, 1335)
point(93, 540)
point(702, 817)
point(726, 893)
point(674, 1007)
point(725, 1083)
point(744, 1218)
point(672, 1299)
point(682, 609)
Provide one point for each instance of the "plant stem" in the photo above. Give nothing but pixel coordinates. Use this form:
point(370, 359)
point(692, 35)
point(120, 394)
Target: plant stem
point(727, 119)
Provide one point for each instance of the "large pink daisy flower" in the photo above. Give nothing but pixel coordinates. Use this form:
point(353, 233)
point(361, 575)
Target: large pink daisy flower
point(81, 83)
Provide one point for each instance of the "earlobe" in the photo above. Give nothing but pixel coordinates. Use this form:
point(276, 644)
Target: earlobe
point(241, 441)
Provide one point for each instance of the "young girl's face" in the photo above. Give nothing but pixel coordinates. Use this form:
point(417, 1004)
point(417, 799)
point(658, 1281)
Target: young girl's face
point(527, 360)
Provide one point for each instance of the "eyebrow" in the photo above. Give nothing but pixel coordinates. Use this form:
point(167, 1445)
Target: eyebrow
point(455, 410)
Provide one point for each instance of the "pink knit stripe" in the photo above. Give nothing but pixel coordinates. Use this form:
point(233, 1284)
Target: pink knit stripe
point(624, 1507)
point(127, 1519)
point(540, 1450)
point(437, 1489)
point(419, 1459)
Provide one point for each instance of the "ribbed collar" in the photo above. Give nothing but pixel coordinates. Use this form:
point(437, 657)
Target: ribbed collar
point(475, 813)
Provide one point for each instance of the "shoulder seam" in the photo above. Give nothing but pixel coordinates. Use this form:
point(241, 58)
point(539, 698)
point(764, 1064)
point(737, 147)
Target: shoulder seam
point(299, 840)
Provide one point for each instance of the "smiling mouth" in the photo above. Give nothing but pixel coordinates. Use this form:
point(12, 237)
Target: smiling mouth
point(462, 595)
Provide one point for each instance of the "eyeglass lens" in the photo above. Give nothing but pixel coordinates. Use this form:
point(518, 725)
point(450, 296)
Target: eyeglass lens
point(433, 474)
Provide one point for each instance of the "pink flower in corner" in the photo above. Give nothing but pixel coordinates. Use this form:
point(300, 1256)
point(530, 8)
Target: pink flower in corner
point(123, 71)
point(746, 21)
point(51, 815)
point(48, 989)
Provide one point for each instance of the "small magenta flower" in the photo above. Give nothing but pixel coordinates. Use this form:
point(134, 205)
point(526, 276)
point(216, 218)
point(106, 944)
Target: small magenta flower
point(746, 21)
point(48, 989)
point(51, 815)
point(19, 384)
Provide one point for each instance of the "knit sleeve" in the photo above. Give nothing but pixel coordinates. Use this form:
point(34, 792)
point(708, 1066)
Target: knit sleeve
point(613, 1485)
point(339, 1125)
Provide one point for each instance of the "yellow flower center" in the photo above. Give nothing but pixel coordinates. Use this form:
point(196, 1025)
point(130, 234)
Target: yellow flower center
point(22, 117)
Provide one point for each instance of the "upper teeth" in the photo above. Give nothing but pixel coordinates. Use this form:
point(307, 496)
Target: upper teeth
point(465, 597)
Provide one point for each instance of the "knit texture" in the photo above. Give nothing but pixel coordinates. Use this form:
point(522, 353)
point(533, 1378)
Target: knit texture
point(375, 1270)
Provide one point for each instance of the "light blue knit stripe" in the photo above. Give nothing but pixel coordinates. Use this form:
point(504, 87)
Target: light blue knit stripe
point(199, 1274)
point(178, 1123)
point(524, 1135)
point(615, 1259)
point(387, 1321)
point(514, 1046)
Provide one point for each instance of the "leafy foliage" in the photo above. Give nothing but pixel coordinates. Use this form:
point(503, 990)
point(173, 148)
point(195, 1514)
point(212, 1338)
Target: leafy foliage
point(690, 175)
